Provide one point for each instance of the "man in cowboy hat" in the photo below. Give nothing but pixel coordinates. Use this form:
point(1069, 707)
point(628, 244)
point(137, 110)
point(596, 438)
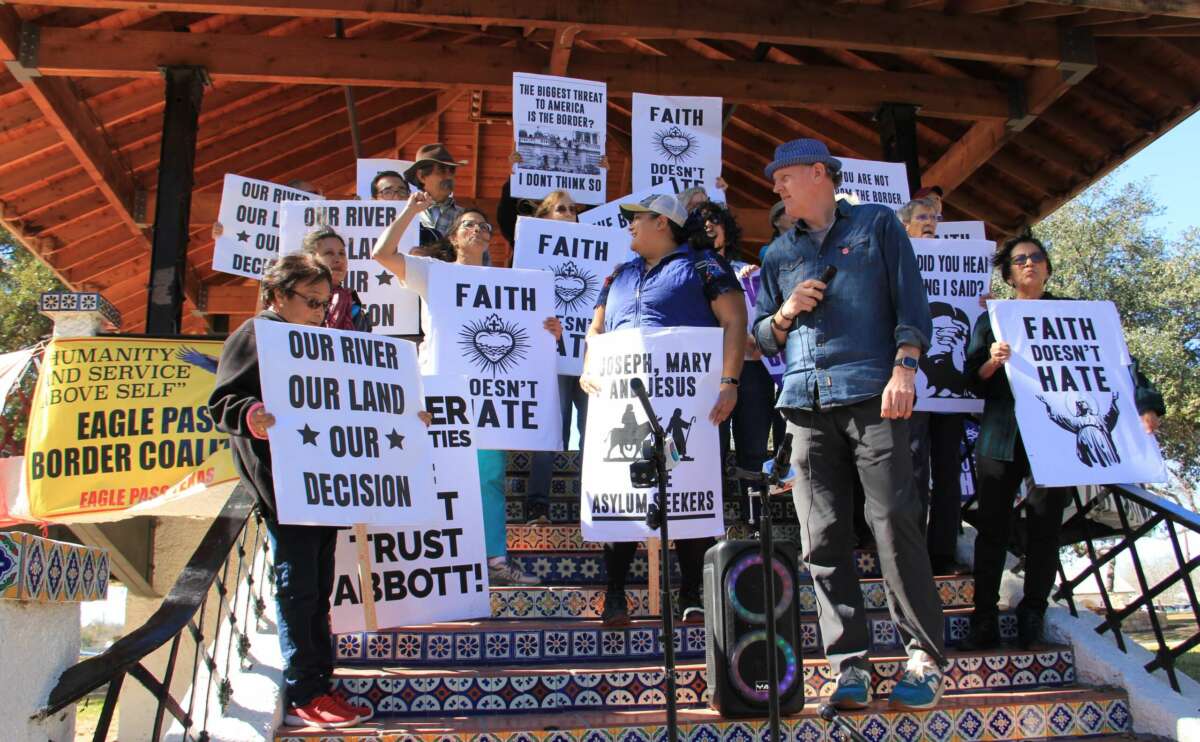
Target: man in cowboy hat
point(433, 172)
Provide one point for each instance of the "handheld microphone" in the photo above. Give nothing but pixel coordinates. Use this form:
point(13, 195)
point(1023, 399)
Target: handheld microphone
point(828, 274)
point(779, 469)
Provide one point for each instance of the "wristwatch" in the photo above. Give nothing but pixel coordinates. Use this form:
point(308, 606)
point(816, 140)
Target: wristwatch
point(907, 362)
point(729, 380)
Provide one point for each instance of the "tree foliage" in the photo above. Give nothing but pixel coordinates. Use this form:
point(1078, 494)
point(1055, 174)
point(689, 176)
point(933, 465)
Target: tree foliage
point(22, 279)
point(1103, 247)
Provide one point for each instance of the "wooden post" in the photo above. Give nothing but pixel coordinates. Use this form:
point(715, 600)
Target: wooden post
point(364, 577)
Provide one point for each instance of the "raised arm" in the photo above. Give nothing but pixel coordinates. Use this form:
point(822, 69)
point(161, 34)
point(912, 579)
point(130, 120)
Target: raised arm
point(385, 252)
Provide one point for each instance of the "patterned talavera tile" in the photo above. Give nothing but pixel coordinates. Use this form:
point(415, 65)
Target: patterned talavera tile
point(36, 569)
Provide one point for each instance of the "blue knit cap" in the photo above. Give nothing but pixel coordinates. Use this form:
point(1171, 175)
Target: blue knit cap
point(802, 152)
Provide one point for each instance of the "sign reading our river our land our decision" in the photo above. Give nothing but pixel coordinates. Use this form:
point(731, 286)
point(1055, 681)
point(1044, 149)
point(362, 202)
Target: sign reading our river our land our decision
point(580, 257)
point(249, 219)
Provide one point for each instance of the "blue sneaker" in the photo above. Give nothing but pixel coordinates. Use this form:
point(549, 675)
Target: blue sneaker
point(853, 690)
point(921, 685)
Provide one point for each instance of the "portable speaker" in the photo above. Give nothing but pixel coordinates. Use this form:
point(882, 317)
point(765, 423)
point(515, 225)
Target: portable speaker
point(736, 629)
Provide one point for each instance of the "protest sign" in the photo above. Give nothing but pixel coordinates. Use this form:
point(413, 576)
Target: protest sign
point(367, 168)
point(119, 421)
point(559, 124)
point(676, 142)
point(874, 182)
point(488, 326)
point(580, 257)
point(434, 573)
point(347, 443)
point(751, 285)
point(956, 273)
point(1076, 410)
point(961, 231)
point(681, 368)
point(609, 214)
point(249, 218)
point(393, 309)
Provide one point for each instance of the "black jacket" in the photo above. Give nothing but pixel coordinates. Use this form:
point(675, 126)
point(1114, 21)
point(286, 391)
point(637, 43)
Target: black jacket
point(237, 389)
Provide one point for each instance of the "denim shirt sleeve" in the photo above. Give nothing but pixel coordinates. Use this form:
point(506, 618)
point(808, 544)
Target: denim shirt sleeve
point(913, 324)
point(769, 300)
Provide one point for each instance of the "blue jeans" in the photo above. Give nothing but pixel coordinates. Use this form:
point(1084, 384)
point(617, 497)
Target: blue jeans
point(492, 470)
point(303, 559)
point(542, 467)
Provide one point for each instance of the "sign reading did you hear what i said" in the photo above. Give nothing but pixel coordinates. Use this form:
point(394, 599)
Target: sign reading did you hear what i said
point(347, 444)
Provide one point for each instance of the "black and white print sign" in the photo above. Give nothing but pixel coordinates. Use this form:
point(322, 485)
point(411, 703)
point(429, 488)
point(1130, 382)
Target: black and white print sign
point(489, 327)
point(366, 168)
point(676, 142)
point(956, 273)
point(609, 214)
point(874, 182)
point(1069, 373)
point(249, 218)
point(580, 257)
point(961, 231)
point(437, 572)
point(347, 443)
point(394, 310)
point(681, 368)
point(559, 124)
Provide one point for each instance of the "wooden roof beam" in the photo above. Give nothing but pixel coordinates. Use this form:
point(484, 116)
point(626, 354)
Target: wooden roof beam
point(1182, 8)
point(801, 22)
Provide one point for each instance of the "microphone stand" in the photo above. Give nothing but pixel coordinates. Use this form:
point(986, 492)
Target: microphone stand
point(656, 518)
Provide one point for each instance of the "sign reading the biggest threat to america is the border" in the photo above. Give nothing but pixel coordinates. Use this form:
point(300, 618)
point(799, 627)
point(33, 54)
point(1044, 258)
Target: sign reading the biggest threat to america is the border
point(119, 421)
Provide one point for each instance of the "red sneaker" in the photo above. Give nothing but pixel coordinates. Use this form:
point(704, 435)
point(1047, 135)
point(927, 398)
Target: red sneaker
point(362, 712)
point(323, 712)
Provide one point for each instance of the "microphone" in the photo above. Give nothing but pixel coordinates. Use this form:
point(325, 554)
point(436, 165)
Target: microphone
point(780, 469)
point(828, 274)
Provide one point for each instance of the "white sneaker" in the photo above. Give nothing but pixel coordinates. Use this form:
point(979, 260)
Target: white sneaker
point(504, 572)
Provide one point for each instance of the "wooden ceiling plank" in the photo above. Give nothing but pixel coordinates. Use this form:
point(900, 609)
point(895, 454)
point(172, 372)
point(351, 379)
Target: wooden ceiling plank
point(1181, 8)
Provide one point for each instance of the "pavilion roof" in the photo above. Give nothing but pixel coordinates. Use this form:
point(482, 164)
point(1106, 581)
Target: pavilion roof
point(1021, 104)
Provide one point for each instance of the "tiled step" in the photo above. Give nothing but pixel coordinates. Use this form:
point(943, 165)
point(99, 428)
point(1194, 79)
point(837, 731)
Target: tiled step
point(403, 691)
point(588, 601)
point(569, 536)
point(1041, 714)
point(512, 643)
point(587, 568)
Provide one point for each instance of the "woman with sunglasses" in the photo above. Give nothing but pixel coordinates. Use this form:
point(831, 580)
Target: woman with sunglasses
point(466, 243)
point(1001, 464)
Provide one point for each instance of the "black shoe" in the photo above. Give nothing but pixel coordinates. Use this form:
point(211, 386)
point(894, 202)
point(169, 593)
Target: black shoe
point(1029, 628)
point(537, 513)
point(616, 609)
point(985, 633)
point(691, 609)
point(947, 565)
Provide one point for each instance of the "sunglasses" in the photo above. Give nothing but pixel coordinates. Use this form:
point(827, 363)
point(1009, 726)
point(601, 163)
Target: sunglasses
point(1034, 258)
point(482, 226)
point(564, 209)
point(393, 191)
point(322, 304)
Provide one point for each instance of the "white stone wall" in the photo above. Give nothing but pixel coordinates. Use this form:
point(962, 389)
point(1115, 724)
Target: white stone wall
point(40, 640)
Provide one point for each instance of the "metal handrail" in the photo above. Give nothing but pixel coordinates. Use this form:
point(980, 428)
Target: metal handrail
point(206, 570)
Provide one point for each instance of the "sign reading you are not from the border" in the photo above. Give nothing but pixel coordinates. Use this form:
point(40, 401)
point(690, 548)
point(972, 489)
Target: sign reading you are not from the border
point(347, 443)
point(249, 218)
point(580, 257)
point(437, 572)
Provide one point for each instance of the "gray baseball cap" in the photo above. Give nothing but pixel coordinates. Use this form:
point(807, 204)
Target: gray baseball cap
point(667, 206)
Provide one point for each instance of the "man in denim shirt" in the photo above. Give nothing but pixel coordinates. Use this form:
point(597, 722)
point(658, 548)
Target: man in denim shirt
point(851, 349)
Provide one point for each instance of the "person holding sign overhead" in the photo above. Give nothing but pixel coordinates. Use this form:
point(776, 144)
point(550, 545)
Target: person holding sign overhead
point(1001, 463)
point(848, 390)
point(670, 284)
point(298, 289)
point(466, 243)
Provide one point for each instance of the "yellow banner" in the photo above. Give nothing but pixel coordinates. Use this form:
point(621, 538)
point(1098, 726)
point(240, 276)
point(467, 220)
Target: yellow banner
point(119, 421)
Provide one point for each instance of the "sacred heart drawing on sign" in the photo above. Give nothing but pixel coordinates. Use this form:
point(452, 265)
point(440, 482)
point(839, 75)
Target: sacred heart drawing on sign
point(675, 143)
point(493, 345)
point(1094, 442)
point(573, 289)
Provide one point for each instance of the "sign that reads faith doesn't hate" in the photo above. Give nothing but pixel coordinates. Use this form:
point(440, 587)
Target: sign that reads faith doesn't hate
point(249, 219)
point(1070, 377)
point(559, 124)
point(347, 444)
point(579, 257)
point(437, 572)
point(681, 368)
point(676, 142)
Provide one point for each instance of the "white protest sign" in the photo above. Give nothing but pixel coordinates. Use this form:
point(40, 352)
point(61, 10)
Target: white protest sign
point(676, 142)
point(961, 231)
point(751, 285)
point(488, 325)
point(580, 257)
point(249, 217)
point(609, 214)
point(874, 182)
point(681, 368)
point(368, 167)
point(1069, 373)
point(559, 124)
point(432, 573)
point(956, 273)
point(394, 310)
point(347, 443)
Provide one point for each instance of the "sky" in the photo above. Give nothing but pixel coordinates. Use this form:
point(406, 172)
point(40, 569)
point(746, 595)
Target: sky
point(1171, 164)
